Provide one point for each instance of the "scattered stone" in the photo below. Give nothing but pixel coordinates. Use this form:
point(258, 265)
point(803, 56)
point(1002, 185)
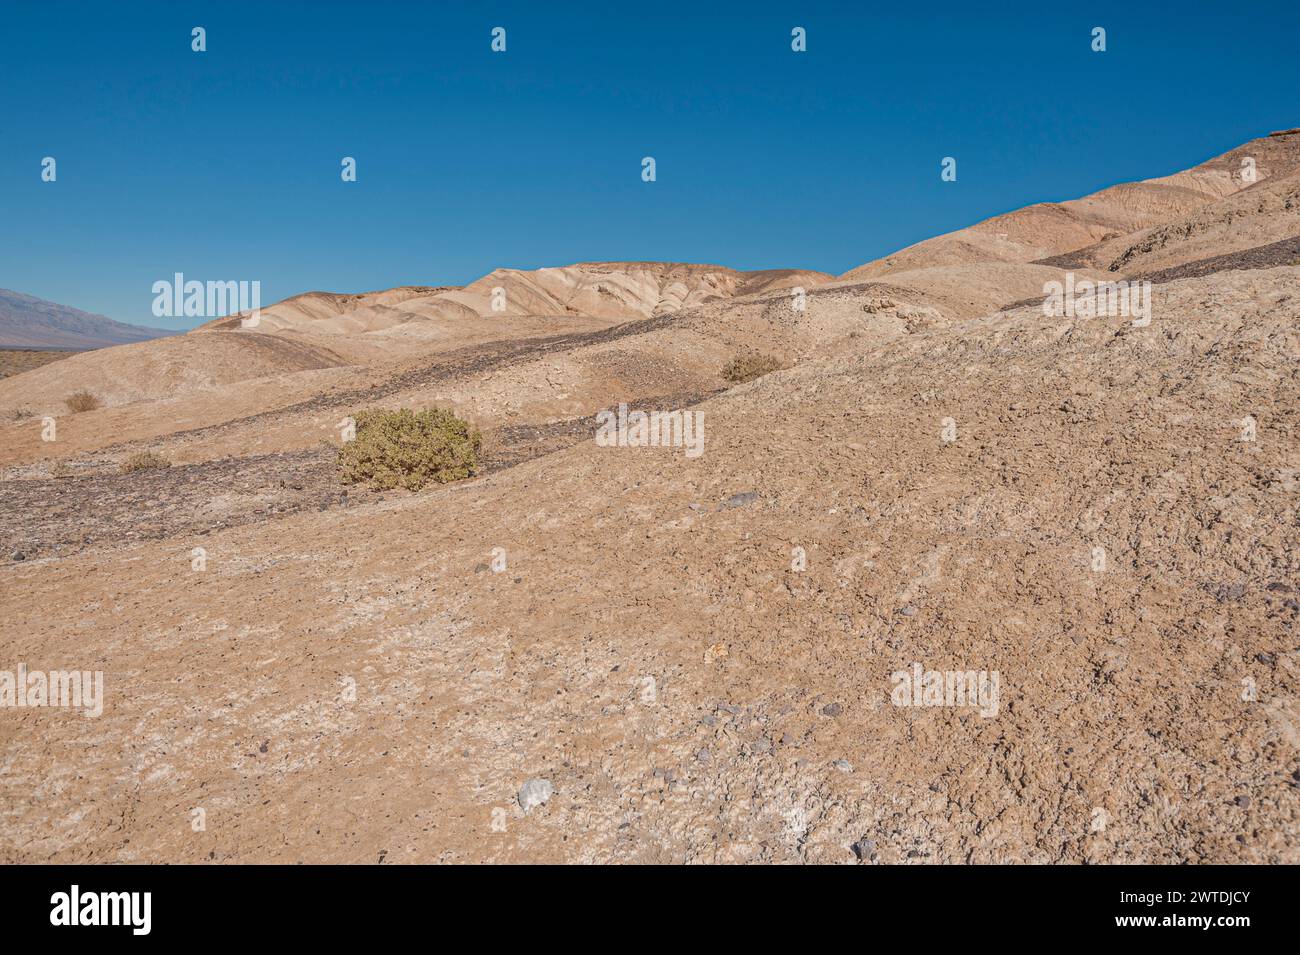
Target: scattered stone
point(17, 555)
point(709, 720)
point(534, 793)
point(908, 611)
point(1264, 657)
point(832, 709)
point(843, 765)
point(1228, 592)
point(1279, 588)
point(1243, 802)
point(761, 746)
point(864, 849)
point(738, 500)
point(481, 568)
point(787, 739)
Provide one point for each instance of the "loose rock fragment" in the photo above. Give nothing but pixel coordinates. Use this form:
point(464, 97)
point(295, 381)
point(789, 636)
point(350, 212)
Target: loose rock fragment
point(864, 849)
point(534, 793)
point(738, 500)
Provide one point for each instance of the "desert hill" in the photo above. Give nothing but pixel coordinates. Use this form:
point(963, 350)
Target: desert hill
point(621, 291)
point(1252, 218)
point(324, 330)
point(1045, 230)
point(695, 652)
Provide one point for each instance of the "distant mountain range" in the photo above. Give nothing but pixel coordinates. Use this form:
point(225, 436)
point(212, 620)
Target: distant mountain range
point(30, 322)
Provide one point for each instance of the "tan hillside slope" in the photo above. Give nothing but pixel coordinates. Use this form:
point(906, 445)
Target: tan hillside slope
point(1044, 230)
point(311, 309)
point(1260, 218)
point(212, 382)
point(503, 381)
point(622, 290)
point(163, 368)
point(358, 324)
point(323, 329)
point(654, 652)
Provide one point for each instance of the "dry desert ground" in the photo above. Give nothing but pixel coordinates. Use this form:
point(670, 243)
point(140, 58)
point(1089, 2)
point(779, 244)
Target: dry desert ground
point(695, 653)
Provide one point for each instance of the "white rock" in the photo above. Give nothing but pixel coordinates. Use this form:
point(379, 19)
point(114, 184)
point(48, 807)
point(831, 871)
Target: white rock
point(535, 792)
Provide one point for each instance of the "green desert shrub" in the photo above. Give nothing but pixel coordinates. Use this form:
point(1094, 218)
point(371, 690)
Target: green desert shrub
point(145, 461)
point(81, 401)
point(409, 449)
point(744, 368)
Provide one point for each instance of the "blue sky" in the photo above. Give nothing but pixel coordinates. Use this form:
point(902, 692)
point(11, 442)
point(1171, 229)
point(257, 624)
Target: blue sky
point(225, 165)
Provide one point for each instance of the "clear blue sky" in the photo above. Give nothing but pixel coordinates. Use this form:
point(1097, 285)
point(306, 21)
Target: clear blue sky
point(225, 164)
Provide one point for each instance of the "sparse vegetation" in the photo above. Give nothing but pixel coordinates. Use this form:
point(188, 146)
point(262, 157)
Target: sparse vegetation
point(60, 469)
point(744, 368)
point(409, 449)
point(145, 461)
point(81, 401)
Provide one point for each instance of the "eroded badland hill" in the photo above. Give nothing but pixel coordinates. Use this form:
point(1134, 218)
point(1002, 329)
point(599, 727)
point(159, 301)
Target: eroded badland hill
point(696, 653)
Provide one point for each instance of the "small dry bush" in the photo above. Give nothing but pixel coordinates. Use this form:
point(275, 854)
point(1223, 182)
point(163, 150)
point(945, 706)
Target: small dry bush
point(81, 401)
point(409, 449)
point(145, 461)
point(744, 368)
